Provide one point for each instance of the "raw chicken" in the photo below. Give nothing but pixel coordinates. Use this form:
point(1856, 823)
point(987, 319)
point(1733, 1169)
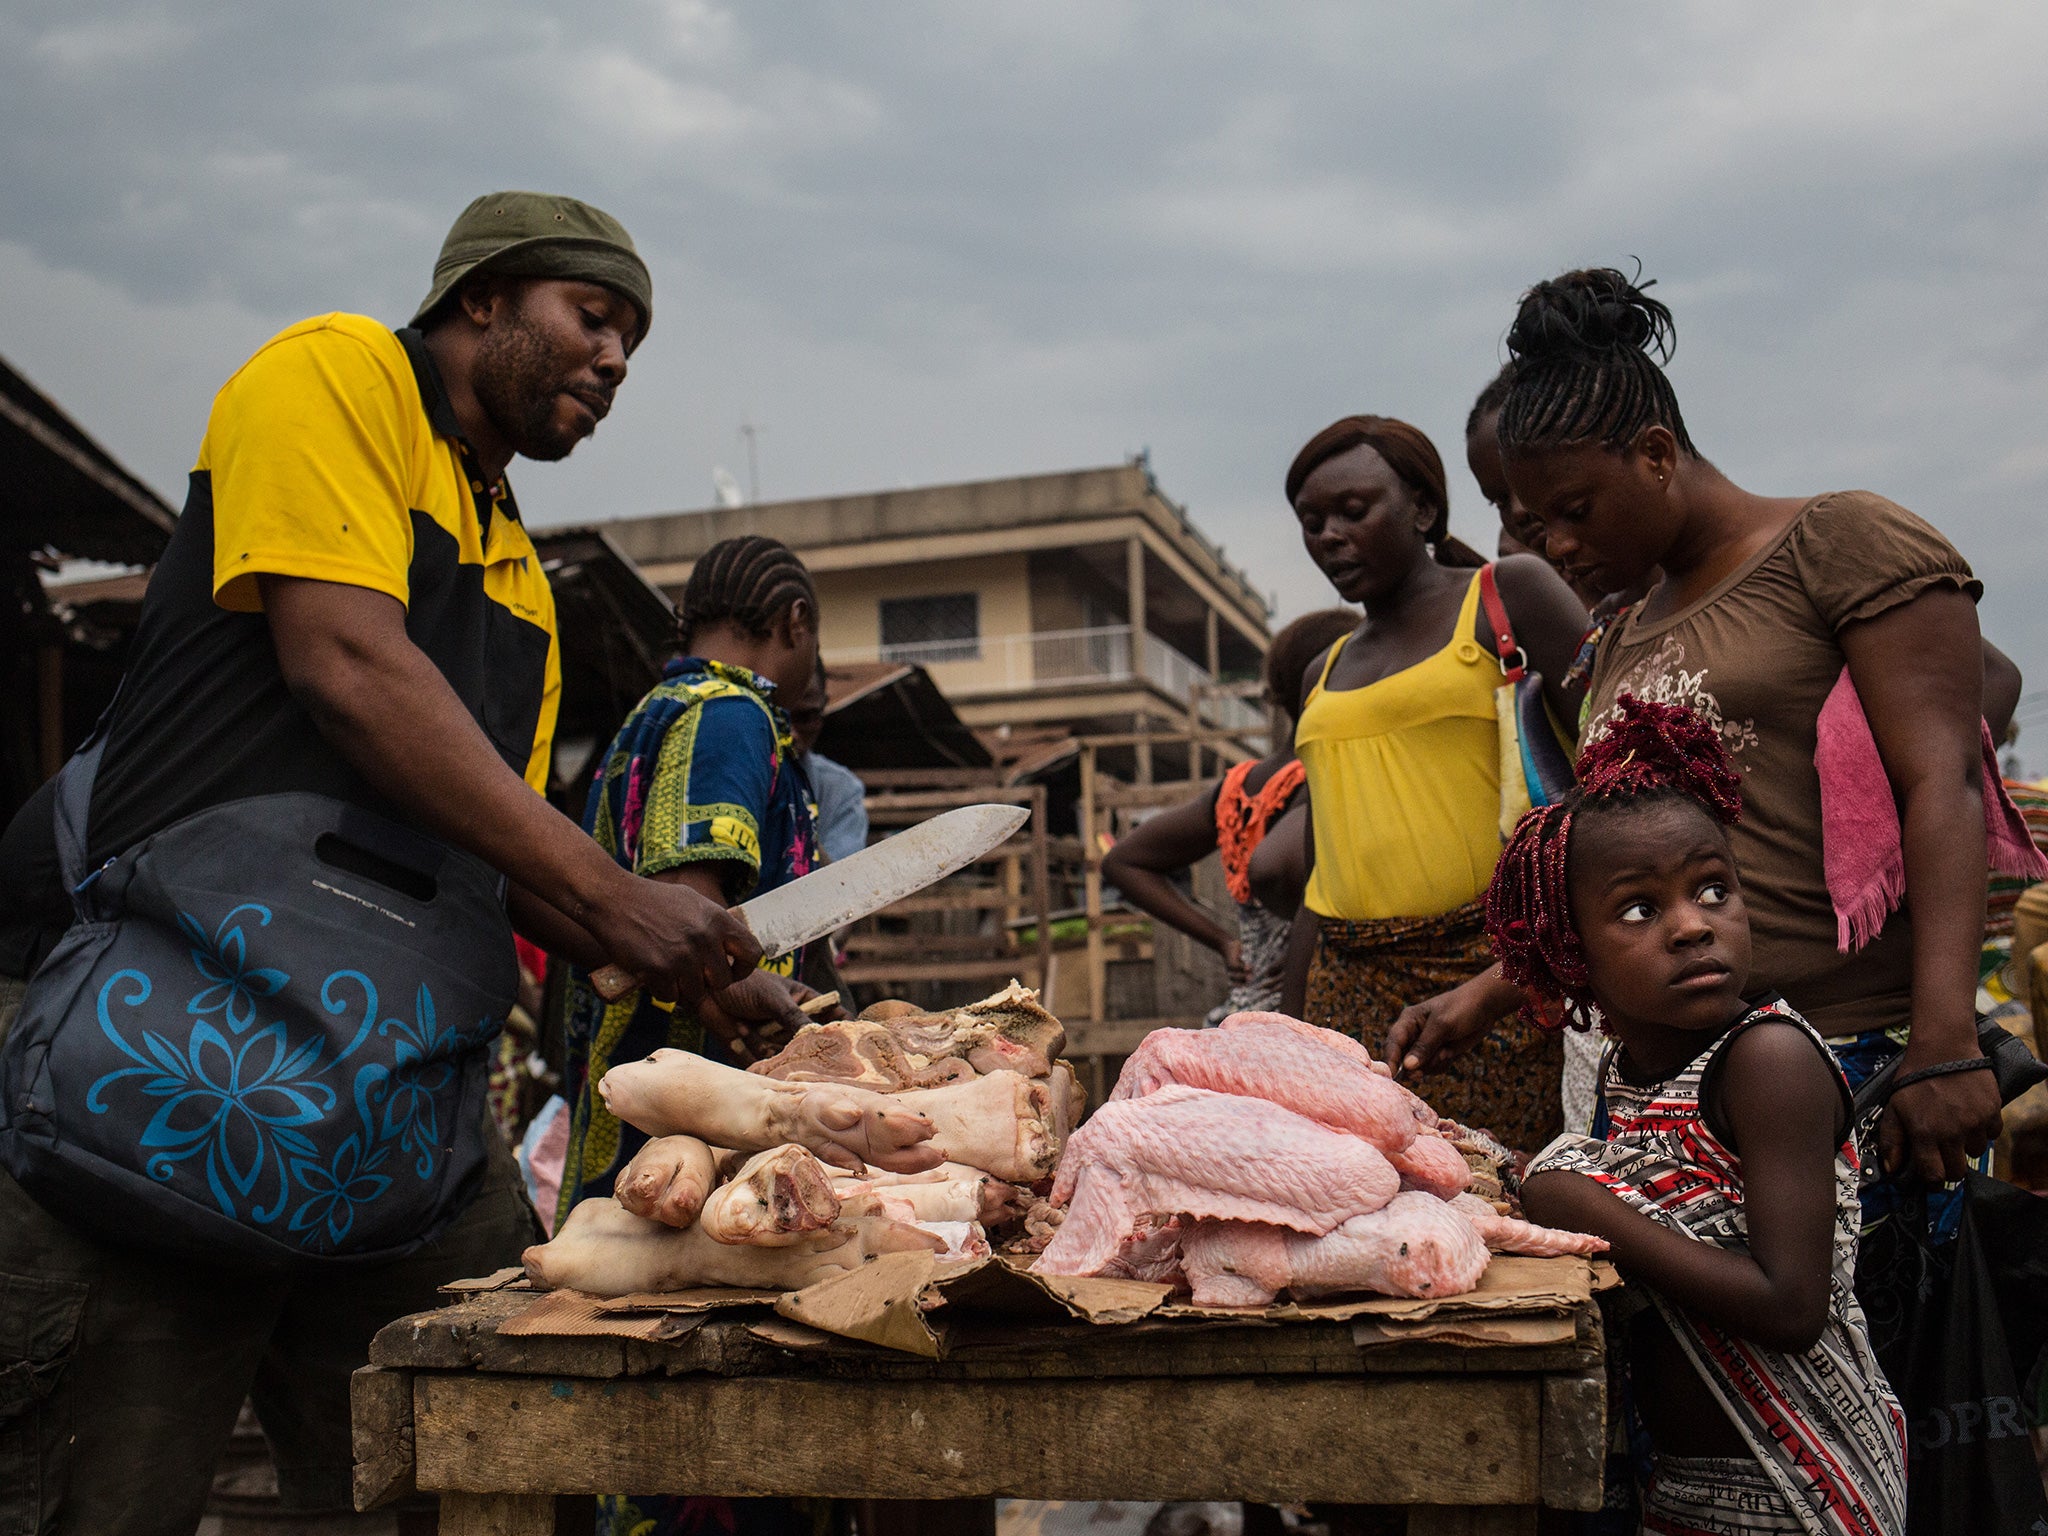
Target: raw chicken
point(1003, 1123)
point(1151, 1252)
point(605, 1250)
point(681, 1093)
point(1432, 1164)
point(668, 1180)
point(1314, 1072)
point(1187, 1151)
point(776, 1199)
point(1508, 1234)
point(1415, 1246)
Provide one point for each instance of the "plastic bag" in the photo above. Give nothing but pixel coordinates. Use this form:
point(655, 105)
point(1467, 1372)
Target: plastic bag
point(1941, 1333)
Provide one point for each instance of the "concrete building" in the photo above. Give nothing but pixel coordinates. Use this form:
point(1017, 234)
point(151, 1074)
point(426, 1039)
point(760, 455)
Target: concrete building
point(1085, 600)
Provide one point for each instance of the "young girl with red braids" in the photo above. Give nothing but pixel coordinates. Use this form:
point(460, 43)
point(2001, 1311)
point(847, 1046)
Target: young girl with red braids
point(1726, 1180)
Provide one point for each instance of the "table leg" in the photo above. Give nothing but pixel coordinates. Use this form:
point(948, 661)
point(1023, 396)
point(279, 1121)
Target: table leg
point(1472, 1520)
point(497, 1514)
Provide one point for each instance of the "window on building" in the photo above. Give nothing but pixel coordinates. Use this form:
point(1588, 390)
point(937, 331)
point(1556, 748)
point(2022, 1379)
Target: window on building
point(931, 629)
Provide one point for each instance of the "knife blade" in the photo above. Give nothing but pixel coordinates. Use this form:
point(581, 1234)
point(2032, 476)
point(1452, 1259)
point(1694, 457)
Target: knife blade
point(810, 907)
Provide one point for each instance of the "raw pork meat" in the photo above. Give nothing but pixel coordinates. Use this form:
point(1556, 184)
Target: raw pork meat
point(862, 1052)
point(668, 1180)
point(1314, 1072)
point(1430, 1163)
point(1003, 1123)
point(775, 1199)
point(1508, 1234)
point(1187, 1151)
point(605, 1250)
point(1008, 1031)
point(949, 1192)
point(681, 1093)
point(1415, 1246)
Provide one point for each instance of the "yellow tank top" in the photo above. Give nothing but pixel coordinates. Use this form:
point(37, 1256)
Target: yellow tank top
point(1404, 783)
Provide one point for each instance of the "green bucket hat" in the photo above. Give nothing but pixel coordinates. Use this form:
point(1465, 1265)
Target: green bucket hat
point(536, 234)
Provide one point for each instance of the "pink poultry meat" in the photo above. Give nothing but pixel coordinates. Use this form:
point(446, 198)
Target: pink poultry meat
point(1415, 1246)
point(1188, 1151)
point(1432, 1164)
point(1314, 1072)
point(1508, 1234)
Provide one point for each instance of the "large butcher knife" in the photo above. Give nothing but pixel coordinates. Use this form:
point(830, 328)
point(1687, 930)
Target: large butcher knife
point(809, 908)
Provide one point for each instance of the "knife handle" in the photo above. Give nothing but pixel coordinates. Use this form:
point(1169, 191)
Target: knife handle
point(613, 983)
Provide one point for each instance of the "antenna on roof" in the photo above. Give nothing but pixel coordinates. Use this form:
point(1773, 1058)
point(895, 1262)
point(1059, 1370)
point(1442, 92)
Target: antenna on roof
point(751, 433)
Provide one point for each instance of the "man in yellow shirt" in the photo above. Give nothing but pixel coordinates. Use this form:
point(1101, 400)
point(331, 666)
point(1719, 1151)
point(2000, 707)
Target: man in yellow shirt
point(350, 607)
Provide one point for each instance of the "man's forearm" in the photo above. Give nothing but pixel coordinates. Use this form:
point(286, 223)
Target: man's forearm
point(388, 710)
point(540, 923)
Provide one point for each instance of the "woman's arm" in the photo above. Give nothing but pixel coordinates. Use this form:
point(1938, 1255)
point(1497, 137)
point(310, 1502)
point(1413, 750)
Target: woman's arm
point(1438, 1028)
point(1301, 941)
point(1919, 670)
point(1172, 840)
point(2002, 687)
point(1550, 622)
point(1784, 1110)
point(1279, 869)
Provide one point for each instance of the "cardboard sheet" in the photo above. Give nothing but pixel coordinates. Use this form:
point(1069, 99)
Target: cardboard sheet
point(901, 1301)
point(1511, 1284)
point(504, 1279)
point(571, 1314)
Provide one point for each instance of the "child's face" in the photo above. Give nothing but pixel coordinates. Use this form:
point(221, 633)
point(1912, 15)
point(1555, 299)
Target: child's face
point(1658, 907)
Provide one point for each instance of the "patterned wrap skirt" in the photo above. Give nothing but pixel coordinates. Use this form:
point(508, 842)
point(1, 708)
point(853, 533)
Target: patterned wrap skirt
point(1365, 973)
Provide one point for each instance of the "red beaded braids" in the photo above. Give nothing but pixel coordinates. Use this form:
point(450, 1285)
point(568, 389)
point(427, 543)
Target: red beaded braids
point(1649, 753)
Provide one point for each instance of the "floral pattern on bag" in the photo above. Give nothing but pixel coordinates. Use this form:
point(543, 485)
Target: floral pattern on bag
point(263, 1115)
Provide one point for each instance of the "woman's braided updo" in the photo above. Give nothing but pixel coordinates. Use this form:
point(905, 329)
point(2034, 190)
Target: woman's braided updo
point(748, 583)
point(1582, 368)
point(1650, 754)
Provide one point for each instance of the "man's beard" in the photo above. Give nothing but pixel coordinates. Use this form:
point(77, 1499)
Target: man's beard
point(516, 380)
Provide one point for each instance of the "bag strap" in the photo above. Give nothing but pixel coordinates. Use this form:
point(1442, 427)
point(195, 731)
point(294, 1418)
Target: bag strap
point(1514, 661)
point(74, 803)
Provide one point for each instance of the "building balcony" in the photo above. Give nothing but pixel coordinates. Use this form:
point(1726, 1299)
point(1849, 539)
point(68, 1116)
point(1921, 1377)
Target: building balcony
point(1069, 658)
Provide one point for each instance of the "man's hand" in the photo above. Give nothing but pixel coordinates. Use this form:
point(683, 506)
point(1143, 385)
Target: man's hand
point(1934, 1126)
point(682, 945)
point(755, 1016)
point(1431, 1032)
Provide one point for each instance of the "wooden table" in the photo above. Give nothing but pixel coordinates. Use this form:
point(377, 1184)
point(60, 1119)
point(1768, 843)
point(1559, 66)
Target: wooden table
point(1476, 1436)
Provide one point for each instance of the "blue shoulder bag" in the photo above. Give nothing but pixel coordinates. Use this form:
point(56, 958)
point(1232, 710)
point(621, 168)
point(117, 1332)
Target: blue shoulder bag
point(263, 1040)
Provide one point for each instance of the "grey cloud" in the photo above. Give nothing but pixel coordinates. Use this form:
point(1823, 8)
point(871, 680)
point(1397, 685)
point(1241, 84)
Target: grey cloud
point(927, 241)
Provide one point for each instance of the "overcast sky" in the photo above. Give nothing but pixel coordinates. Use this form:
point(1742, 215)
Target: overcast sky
point(927, 242)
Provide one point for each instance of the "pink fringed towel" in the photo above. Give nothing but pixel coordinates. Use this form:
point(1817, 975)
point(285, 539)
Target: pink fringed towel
point(1862, 846)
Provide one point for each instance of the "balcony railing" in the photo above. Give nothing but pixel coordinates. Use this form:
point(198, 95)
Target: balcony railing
point(1062, 657)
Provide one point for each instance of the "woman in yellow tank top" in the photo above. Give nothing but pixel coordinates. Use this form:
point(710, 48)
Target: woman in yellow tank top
point(1402, 754)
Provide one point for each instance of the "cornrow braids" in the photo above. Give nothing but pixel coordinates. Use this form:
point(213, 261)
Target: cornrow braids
point(747, 582)
point(1491, 398)
point(1650, 754)
point(1583, 369)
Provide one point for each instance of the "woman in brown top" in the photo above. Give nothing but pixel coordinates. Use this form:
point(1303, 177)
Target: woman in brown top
point(1762, 602)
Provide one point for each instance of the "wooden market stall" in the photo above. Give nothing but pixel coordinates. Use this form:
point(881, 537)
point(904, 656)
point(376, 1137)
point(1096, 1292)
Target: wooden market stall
point(1473, 1411)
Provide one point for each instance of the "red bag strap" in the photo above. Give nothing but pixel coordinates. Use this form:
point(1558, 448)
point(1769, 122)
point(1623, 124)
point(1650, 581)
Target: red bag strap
point(1514, 661)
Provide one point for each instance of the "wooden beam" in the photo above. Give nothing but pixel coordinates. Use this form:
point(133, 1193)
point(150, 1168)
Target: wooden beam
point(380, 1428)
point(1117, 1037)
point(1574, 1440)
point(937, 970)
point(1389, 1439)
point(1091, 885)
point(498, 1514)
